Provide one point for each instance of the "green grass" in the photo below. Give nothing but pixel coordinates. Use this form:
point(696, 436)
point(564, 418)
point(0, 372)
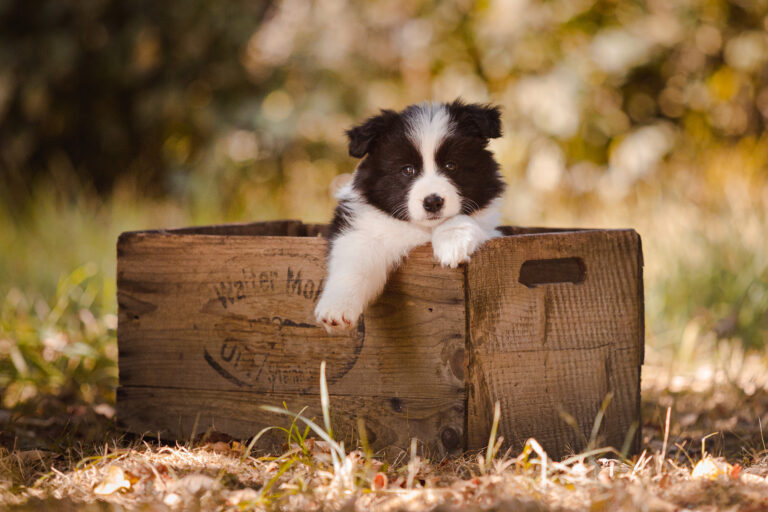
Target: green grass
point(64, 346)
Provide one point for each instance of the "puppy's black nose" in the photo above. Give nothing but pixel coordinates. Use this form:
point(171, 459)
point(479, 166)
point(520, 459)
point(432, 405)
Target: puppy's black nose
point(433, 203)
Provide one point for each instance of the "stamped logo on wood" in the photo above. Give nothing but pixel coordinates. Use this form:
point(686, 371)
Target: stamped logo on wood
point(266, 335)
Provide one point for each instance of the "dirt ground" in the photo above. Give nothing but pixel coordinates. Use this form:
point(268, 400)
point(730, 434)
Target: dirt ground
point(73, 458)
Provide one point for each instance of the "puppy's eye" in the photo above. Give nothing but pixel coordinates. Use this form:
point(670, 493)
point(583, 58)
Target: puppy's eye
point(408, 170)
point(450, 166)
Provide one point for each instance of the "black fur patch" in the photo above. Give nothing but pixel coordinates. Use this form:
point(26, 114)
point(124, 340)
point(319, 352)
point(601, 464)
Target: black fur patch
point(341, 220)
point(476, 176)
point(363, 137)
point(473, 120)
point(380, 179)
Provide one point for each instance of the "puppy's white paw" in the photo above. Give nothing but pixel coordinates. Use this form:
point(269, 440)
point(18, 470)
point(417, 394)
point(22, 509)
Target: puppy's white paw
point(455, 240)
point(337, 312)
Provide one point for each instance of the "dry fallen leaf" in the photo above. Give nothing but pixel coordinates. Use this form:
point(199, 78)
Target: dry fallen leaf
point(710, 469)
point(753, 479)
point(380, 481)
point(705, 468)
point(114, 481)
point(172, 499)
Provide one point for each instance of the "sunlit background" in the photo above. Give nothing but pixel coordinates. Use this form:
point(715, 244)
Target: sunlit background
point(132, 115)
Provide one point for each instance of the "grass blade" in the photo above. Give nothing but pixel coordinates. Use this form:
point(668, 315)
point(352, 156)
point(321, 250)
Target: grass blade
point(311, 424)
point(490, 452)
point(325, 402)
point(248, 449)
point(599, 420)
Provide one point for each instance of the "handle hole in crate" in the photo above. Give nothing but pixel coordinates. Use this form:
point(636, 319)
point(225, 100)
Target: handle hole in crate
point(559, 270)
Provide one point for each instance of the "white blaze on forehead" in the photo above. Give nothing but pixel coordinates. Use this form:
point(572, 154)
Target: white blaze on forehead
point(428, 125)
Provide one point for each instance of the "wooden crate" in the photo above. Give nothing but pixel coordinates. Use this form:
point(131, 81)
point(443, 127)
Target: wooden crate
point(216, 321)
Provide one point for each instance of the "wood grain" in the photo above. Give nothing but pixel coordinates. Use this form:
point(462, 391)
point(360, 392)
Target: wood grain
point(390, 424)
point(558, 349)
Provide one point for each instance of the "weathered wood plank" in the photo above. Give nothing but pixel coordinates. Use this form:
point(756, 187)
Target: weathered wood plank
point(556, 348)
point(390, 423)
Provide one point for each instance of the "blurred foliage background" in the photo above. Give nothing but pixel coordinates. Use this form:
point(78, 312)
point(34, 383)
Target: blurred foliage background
point(123, 115)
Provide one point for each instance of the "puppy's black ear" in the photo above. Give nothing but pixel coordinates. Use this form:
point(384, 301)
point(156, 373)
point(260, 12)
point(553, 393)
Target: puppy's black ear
point(475, 120)
point(362, 137)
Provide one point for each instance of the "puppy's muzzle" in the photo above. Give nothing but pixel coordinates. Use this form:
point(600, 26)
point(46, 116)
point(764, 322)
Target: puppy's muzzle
point(433, 203)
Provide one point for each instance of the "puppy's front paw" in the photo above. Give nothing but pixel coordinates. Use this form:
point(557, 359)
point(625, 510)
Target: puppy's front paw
point(337, 312)
point(454, 242)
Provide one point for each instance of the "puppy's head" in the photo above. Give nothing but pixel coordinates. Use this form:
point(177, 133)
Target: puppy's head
point(428, 162)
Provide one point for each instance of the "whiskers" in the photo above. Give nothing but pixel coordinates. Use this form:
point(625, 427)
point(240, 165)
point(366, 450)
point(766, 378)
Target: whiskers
point(468, 206)
point(401, 211)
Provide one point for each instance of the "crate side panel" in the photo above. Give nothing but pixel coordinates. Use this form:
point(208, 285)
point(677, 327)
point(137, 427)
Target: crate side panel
point(576, 343)
point(390, 425)
point(236, 314)
point(546, 385)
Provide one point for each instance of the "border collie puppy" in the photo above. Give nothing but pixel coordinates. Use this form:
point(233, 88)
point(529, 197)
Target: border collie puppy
point(426, 176)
